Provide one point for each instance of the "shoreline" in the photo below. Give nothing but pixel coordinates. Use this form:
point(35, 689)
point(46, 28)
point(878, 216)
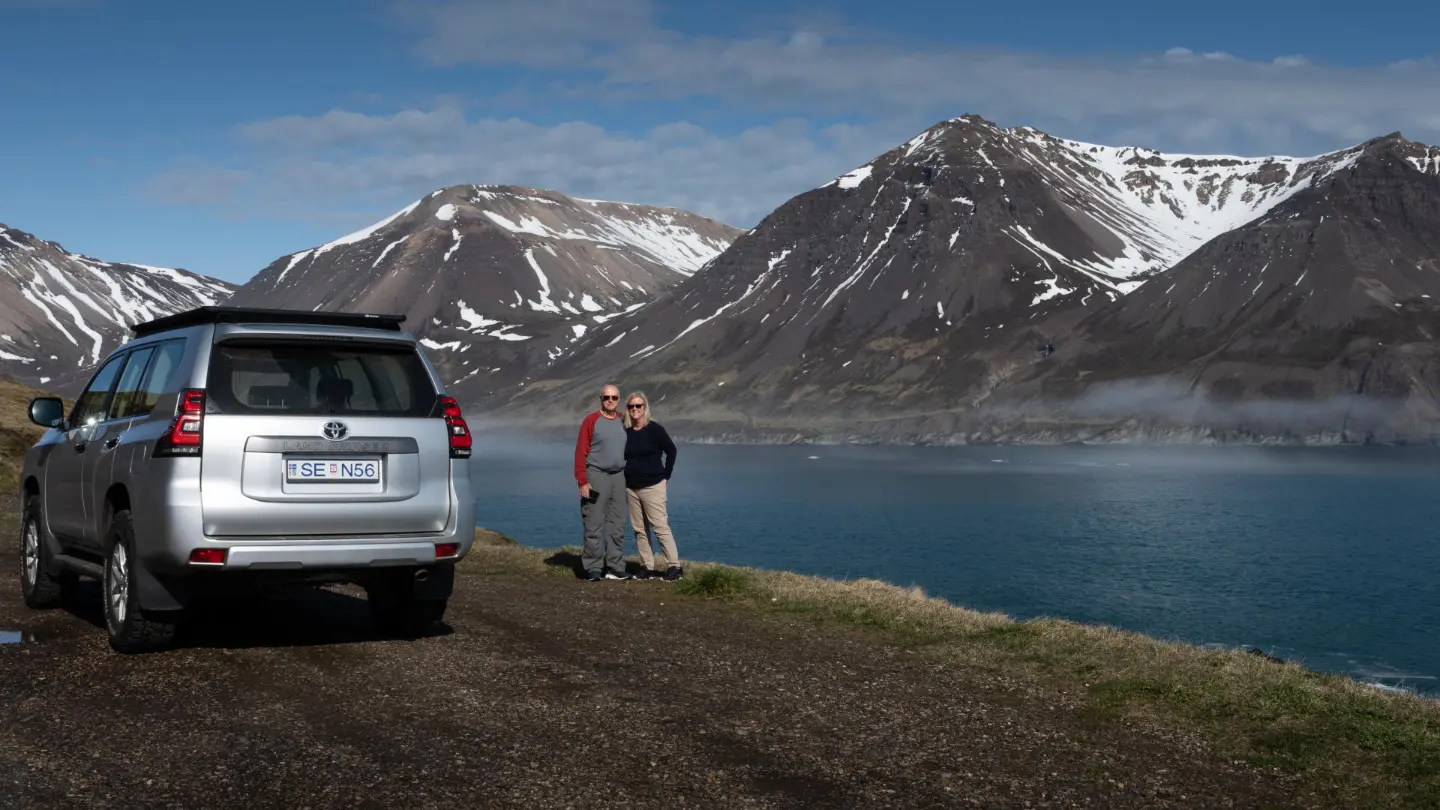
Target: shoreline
point(1353, 740)
point(1432, 696)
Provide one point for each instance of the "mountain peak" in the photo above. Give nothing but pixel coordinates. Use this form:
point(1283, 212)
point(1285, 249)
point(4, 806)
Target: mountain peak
point(1419, 156)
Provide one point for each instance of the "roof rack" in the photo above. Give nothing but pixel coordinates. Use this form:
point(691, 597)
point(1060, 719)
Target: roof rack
point(212, 314)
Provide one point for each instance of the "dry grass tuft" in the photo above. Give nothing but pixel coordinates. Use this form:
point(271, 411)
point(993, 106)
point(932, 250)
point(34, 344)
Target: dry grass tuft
point(880, 605)
point(17, 432)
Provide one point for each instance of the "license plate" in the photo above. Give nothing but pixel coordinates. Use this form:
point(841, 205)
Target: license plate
point(347, 470)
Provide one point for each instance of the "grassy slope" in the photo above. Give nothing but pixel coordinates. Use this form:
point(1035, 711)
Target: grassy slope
point(17, 432)
point(1359, 746)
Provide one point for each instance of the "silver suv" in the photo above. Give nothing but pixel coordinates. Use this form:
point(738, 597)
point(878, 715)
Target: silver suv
point(226, 446)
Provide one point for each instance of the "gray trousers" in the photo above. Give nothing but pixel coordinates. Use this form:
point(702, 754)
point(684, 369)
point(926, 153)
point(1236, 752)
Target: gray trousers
point(604, 520)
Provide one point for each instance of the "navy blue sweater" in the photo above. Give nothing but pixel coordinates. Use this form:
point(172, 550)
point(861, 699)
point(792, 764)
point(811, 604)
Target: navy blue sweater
point(643, 449)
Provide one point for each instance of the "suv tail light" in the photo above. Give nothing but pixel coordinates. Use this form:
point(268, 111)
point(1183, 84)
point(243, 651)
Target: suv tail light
point(183, 438)
point(455, 424)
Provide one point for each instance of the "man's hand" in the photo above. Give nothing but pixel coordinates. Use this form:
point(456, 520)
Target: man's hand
point(584, 492)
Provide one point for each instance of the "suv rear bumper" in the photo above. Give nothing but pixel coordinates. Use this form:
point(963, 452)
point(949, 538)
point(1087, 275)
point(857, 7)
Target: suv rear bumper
point(296, 555)
point(171, 526)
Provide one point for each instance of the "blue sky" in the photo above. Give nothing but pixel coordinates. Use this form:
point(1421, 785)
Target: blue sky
point(221, 136)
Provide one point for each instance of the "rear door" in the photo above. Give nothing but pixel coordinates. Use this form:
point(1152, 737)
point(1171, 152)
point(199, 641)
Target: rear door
point(306, 437)
point(98, 461)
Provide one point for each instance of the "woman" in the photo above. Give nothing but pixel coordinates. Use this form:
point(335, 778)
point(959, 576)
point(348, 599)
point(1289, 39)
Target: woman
point(646, 475)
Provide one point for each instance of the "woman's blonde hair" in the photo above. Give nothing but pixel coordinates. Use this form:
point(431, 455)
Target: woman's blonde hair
point(645, 415)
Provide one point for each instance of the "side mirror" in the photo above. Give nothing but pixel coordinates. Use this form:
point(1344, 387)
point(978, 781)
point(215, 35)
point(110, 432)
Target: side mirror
point(47, 412)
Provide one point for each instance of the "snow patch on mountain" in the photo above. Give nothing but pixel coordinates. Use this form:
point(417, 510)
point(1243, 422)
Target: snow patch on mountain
point(454, 234)
point(544, 304)
point(666, 240)
point(1428, 162)
point(388, 248)
point(853, 178)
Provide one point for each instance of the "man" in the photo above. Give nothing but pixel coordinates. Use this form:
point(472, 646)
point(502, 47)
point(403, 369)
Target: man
point(600, 472)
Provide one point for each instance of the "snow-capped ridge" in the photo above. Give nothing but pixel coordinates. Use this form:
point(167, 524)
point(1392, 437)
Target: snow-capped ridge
point(1159, 206)
point(70, 309)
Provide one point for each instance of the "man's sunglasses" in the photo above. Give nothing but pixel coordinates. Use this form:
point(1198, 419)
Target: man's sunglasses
point(608, 398)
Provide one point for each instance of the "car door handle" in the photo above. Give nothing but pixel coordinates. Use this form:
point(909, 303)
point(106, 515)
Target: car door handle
point(111, 442)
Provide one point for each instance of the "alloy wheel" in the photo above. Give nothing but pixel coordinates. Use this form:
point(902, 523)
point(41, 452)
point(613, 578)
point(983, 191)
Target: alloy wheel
point(30, 553)
point(117, 584)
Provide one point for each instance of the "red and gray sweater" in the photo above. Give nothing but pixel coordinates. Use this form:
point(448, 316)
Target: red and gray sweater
point(601, 445)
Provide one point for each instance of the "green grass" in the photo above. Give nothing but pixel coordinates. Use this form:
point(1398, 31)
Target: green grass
point(717, 582)
point(1360, 746)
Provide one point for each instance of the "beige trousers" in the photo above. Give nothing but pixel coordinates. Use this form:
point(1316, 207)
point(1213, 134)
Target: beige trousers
point(647, 512)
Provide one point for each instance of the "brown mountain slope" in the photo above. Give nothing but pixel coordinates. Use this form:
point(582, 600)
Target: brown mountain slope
point(499, 281)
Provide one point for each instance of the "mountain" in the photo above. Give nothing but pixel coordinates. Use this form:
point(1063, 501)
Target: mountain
point(60, 312)
point(1322, 315)
point(498, 281)
point(906, 300)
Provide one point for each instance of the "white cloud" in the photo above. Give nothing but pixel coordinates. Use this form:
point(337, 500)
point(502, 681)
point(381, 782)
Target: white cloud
point(306, 168)
point(1187, 56)
point(630, 55)
point(548, 33)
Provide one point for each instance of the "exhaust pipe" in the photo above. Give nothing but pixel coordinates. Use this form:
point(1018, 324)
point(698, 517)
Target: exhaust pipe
point(421, 575)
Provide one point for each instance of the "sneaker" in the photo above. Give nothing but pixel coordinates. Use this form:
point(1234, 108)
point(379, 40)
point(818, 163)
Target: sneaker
point(647, 574)
point(675, 572)
point(616, 575)
point(594, 576)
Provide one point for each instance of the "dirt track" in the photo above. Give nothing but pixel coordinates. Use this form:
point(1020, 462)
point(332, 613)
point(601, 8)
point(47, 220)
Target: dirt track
point(548, 692)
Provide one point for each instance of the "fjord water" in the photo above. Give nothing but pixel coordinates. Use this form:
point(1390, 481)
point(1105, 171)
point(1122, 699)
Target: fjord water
point(1328, 556)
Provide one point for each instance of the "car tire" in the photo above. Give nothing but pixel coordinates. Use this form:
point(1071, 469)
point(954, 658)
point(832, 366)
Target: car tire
point(41, 583)
point(131, 629)
point(399, 613)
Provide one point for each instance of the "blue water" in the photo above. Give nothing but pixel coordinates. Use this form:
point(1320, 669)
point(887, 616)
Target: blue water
point(1328, 556)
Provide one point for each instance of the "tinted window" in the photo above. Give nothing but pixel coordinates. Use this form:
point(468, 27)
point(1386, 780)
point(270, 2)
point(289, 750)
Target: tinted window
point(90, 407)
point(296, 378)
point(140, 399)
point(122, 406)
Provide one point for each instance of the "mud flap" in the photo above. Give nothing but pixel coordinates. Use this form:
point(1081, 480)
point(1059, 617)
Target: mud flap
point(155, 593)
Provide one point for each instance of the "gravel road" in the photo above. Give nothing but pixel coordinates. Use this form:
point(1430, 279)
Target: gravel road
point(547, 692)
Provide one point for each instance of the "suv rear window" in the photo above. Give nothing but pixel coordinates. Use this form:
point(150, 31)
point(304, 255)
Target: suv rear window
point(318, 378)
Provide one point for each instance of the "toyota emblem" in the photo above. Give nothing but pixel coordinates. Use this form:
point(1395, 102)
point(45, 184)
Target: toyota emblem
point(335, 431)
